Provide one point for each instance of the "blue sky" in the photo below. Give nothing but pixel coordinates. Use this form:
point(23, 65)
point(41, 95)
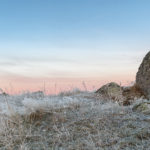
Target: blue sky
point(73, 38)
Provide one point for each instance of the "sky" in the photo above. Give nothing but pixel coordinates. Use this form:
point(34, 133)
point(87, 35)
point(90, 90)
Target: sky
point(62, 44)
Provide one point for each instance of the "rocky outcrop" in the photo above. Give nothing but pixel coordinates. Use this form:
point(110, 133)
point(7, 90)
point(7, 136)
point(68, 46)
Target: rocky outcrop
point(143, 76)
point(131, 94)
point(111, 91)
point(124, 95)
point(127, 95)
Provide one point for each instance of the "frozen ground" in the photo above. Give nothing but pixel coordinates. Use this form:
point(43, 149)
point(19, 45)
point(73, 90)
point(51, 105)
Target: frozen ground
point(70, 121)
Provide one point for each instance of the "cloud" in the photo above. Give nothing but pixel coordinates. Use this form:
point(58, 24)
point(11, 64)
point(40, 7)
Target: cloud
point(96, 65)
point(7, 63)
point(45, 59)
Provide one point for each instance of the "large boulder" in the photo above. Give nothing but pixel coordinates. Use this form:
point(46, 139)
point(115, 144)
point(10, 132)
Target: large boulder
point(111, 91)
point(143, 76)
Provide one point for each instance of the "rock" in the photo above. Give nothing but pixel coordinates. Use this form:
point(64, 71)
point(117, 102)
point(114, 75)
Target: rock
point(131, 93)
point(143, 76)
point(111, 91)
point(143, 107)
point(125, 95)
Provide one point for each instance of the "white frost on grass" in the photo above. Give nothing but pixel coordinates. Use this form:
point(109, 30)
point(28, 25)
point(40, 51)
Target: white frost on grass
point(24, 105)
point(87, 122)
point(50, 103)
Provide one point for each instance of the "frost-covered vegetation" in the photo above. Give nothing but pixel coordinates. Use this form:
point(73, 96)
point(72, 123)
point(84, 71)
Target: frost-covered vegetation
point(71, 121)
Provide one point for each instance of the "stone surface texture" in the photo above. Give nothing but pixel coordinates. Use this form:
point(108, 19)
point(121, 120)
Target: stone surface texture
point(143, 76)
point(111, 91)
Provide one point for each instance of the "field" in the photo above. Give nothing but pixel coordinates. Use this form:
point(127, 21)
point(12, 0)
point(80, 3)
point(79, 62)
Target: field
point(73, 120)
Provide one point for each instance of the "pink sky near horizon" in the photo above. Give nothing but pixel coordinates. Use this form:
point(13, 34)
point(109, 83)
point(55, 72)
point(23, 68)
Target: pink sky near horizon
point(55, 77)
point(16, 85)
point(21, 75)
